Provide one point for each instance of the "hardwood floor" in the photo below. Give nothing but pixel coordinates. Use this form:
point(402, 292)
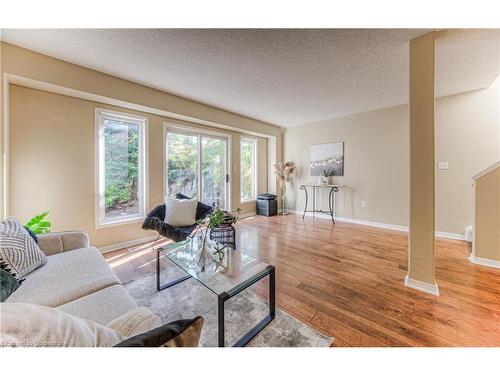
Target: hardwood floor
point(346, 280)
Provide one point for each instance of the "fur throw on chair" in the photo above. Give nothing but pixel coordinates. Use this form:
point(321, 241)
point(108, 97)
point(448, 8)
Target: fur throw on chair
point(155, 221)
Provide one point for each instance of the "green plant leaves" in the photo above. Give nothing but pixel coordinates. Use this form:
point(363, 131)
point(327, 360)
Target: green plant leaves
point(39, 223)
point(218, 218)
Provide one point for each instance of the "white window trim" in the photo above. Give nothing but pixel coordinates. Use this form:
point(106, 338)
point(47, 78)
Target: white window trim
point(255, 141)
point(192, 130)
point(100, 221)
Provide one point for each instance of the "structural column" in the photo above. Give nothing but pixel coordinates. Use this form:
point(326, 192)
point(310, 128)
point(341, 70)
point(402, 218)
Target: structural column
point(421, 236)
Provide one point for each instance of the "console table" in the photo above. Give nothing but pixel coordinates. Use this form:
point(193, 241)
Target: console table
point(333, 190)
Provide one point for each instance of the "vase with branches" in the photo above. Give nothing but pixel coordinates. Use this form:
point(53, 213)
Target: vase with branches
point(284, 174)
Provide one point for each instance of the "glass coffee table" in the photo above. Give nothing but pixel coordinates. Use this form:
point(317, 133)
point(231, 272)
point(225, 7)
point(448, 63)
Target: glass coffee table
point(226, 275)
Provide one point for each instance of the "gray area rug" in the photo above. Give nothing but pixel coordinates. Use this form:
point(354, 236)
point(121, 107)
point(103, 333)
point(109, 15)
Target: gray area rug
point(189, 299)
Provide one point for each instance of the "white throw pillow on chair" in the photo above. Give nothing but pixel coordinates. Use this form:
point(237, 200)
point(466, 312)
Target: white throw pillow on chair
point(180, 212)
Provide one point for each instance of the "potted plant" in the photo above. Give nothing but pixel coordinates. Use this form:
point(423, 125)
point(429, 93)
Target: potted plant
point(213, 220)
point(284, 174)
point(39, 224)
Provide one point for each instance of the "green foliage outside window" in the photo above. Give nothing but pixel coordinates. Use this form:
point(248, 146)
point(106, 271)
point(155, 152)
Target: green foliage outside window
point(182, 164)
point(121, 148)
point(247, 161)
point(182, 151)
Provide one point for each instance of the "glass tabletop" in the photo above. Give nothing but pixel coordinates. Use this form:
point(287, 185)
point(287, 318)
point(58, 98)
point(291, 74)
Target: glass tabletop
point(219, 272)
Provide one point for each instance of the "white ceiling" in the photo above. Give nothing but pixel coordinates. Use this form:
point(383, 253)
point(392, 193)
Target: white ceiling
point(284, 77)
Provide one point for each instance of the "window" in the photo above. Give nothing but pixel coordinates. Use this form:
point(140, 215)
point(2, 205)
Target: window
point(248, 169)
point(121, 167)
point(196, 166)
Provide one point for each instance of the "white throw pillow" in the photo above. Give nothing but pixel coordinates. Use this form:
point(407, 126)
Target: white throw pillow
point(180, 212)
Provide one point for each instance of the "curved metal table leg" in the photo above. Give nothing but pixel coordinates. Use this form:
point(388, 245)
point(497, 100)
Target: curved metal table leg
point(334, 205)
point(303, 187)
point(314, 201)
point(330, 206)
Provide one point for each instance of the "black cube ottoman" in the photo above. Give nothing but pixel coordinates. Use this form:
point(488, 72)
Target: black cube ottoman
point(267, 204)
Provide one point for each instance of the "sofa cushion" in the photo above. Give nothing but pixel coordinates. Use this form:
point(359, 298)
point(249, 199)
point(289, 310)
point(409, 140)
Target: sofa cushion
point(58, 242)
point(25, 324)
point(66, 277)
point(102, 306)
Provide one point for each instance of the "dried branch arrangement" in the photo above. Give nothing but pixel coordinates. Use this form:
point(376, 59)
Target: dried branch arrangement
point(284, 172)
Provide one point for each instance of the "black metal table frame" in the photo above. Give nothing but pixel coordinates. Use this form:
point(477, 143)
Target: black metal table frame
point(331, 200)
point(225, 296)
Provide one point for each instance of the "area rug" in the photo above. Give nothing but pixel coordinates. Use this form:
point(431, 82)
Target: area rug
point(190, 298)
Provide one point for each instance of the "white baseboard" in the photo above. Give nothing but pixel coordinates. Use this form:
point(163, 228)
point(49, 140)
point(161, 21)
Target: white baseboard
point(451, 236)
point(422, 286)
point(401, 228)
point(124, 244)
point(485, 261)
point(372, 223)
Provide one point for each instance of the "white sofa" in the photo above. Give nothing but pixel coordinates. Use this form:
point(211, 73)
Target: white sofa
point(76, 279)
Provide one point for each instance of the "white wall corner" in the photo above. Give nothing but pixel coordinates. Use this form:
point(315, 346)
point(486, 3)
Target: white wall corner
point(485, 261)
point(420, 285)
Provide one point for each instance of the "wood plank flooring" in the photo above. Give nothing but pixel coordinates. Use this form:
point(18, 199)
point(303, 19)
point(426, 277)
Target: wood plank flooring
point(346, 280)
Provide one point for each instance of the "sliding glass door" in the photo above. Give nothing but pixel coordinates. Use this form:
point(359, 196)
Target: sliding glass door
point(197, 166)
point(213, 170)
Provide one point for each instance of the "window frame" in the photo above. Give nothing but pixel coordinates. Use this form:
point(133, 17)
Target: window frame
point(255, 147)
point(100, 219)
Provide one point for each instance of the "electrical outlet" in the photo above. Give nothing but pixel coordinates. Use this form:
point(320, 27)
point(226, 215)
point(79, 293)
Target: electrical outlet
point(363, 204)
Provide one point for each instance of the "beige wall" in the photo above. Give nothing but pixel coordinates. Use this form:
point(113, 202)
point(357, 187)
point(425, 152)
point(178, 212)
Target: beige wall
point(487, 221)
point(377, 158)
point(375, 167)
point(25, 63)
point(31, 65)
point(52, 163)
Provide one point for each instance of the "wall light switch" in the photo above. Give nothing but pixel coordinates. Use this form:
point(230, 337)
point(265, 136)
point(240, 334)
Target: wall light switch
point(363, 204)
point(442, 165)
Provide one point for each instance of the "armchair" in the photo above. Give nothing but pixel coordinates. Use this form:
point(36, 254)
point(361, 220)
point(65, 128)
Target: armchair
point(155, 221)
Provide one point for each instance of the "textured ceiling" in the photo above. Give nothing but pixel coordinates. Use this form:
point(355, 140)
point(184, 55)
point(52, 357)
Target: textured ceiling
point(285, 77)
